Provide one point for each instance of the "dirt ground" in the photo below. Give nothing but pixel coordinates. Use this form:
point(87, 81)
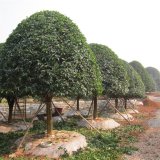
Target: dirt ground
point(149, 142)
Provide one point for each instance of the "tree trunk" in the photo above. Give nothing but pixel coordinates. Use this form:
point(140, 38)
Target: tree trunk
point(125, 103)
point(10, 101)
point(116, 103)
point(48, 101)
point(78, 103)
point(25, 110)
point(95, 108)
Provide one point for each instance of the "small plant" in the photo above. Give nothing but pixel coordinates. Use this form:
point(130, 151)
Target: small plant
point(71, 124)
point(38, 127)
point(65, 151)
point(133, 128)
point(129, 150)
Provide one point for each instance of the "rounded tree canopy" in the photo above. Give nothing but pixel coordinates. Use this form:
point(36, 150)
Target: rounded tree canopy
point(155, 74)
point(47, 54)
point(136, 86)
point(114, 76)
point(146, 78)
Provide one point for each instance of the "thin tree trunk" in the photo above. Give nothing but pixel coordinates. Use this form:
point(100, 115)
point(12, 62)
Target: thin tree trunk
point(78, 103)
point(95, 108)
point(48, 102)
point(125, 103)
point(10, 101)
point(116, 104)
point(25, 114)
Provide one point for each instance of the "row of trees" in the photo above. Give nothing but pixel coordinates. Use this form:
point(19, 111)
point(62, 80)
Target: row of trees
point(47, 55)
point(146, 78)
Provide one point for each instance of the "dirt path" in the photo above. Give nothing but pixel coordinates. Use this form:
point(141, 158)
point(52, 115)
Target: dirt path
point(149, 142)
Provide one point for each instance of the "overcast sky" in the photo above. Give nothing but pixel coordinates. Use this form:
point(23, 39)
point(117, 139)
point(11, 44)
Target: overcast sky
point(131, 28)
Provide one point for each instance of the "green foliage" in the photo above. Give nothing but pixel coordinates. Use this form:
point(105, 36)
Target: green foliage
point(7, 140)
point(98, 88)
point(47, 54)
point(136, 86)
point(155, 74)
point(1, 47)
point(114, 76)
point(38, 127)
point(129, 150)
point(132, 128)
point(146, 78)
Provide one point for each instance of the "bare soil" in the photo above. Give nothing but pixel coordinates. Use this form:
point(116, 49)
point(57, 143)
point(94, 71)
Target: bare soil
point(149, 142)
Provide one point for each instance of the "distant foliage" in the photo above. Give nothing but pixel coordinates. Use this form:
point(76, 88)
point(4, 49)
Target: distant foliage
point(146, 78)
point(114, 76)
point(155, 74)
point(47, 54)
point(136, 86)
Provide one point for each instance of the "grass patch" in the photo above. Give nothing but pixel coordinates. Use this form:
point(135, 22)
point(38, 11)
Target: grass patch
point(7, 140)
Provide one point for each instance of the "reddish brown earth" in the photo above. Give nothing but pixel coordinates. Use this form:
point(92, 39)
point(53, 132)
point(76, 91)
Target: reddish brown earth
point(149, 142)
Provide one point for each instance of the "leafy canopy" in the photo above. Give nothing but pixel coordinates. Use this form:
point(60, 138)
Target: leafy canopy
point(1, 89)
point(114, 76)
point(1, 47)
point(155, 74)
point(146, 78)
point(47, 54)
point(136, 86)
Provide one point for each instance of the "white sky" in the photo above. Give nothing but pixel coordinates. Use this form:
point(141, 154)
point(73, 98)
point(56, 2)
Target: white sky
point(131, 28)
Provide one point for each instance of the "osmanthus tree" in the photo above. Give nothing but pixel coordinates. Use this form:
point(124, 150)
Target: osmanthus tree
point(114, 75)
point(146, 78)
point(46, 56)
point(97, 89)
point(7, 94)
point(155, 74)
point(136, 87)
